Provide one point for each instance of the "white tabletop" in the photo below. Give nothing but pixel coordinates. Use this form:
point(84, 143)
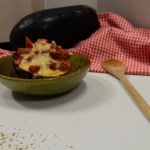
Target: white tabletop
point(99, 114)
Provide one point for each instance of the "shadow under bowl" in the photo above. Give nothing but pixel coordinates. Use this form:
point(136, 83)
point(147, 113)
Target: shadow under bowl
point(45, 86)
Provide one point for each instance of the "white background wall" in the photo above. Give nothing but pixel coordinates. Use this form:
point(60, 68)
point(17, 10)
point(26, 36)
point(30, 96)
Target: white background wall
point(11, 11)
point(61, 3)
point(135, 11)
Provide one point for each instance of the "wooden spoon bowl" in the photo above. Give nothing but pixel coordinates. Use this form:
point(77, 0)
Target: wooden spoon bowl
point(113, 66)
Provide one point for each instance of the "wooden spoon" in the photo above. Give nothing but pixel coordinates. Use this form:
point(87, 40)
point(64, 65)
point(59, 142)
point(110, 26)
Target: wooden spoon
point(117, 68)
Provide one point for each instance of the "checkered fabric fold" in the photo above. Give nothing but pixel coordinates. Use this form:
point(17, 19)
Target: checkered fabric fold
point(115, 39)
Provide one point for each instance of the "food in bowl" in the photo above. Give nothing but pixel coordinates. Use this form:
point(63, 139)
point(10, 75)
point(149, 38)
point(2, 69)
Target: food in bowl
point(44, 86)
point(41, 59)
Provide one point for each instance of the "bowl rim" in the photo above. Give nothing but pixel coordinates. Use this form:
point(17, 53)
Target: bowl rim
point(48, 79)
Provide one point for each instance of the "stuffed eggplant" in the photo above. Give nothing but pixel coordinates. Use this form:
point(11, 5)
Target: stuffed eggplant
point(41, 60)
point(65, 25)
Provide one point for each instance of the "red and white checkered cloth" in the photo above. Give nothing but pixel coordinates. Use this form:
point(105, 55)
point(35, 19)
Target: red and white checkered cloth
point(4, 52)
point(116, 39)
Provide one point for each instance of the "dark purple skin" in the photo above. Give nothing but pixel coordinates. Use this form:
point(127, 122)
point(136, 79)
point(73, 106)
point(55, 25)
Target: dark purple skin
point(65, 25)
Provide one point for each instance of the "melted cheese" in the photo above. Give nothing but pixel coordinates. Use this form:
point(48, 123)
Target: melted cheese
point(41, 46)
point(41, 60)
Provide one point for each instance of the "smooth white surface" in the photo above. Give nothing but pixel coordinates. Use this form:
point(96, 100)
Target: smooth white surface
point(98, 114)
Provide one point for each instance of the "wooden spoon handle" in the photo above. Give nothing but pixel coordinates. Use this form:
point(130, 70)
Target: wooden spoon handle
point(141, 102)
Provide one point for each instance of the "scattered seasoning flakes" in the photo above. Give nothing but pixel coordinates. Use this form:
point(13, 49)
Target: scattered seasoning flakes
point(2, 134)
point(19, 129)
point(13, 134)
point(31, 135)
point(9, 145)
point(71, 147)
point(1, 125)
point(3, 141)
point(16, 137)
point(55, 135)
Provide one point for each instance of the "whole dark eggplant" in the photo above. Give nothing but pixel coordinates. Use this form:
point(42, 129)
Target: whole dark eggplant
point(65, 25)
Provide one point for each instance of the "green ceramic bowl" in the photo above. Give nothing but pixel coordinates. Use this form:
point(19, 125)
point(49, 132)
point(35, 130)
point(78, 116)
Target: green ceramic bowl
point(45, 86)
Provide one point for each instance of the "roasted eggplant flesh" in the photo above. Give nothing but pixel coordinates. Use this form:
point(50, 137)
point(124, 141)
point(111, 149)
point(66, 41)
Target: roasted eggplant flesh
point(41, 60)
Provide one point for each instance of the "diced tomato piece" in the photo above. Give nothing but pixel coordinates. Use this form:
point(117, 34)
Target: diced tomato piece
point(65, 66)
point(30, 57)
point(45, 51)
point(29, 44)
point(17, 62)
point(40, 40)
point(65, 54)
point(16, 56)
point(52, 65)
point(23, 51)
point(36, 51)
point(34, 68)
point(55, 54)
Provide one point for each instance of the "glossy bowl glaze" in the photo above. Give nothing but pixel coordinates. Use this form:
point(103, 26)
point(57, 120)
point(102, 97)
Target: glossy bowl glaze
point(45, 86)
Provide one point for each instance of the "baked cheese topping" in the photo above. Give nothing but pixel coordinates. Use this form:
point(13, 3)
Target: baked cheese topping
point(41, 61)
point(45, 59)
